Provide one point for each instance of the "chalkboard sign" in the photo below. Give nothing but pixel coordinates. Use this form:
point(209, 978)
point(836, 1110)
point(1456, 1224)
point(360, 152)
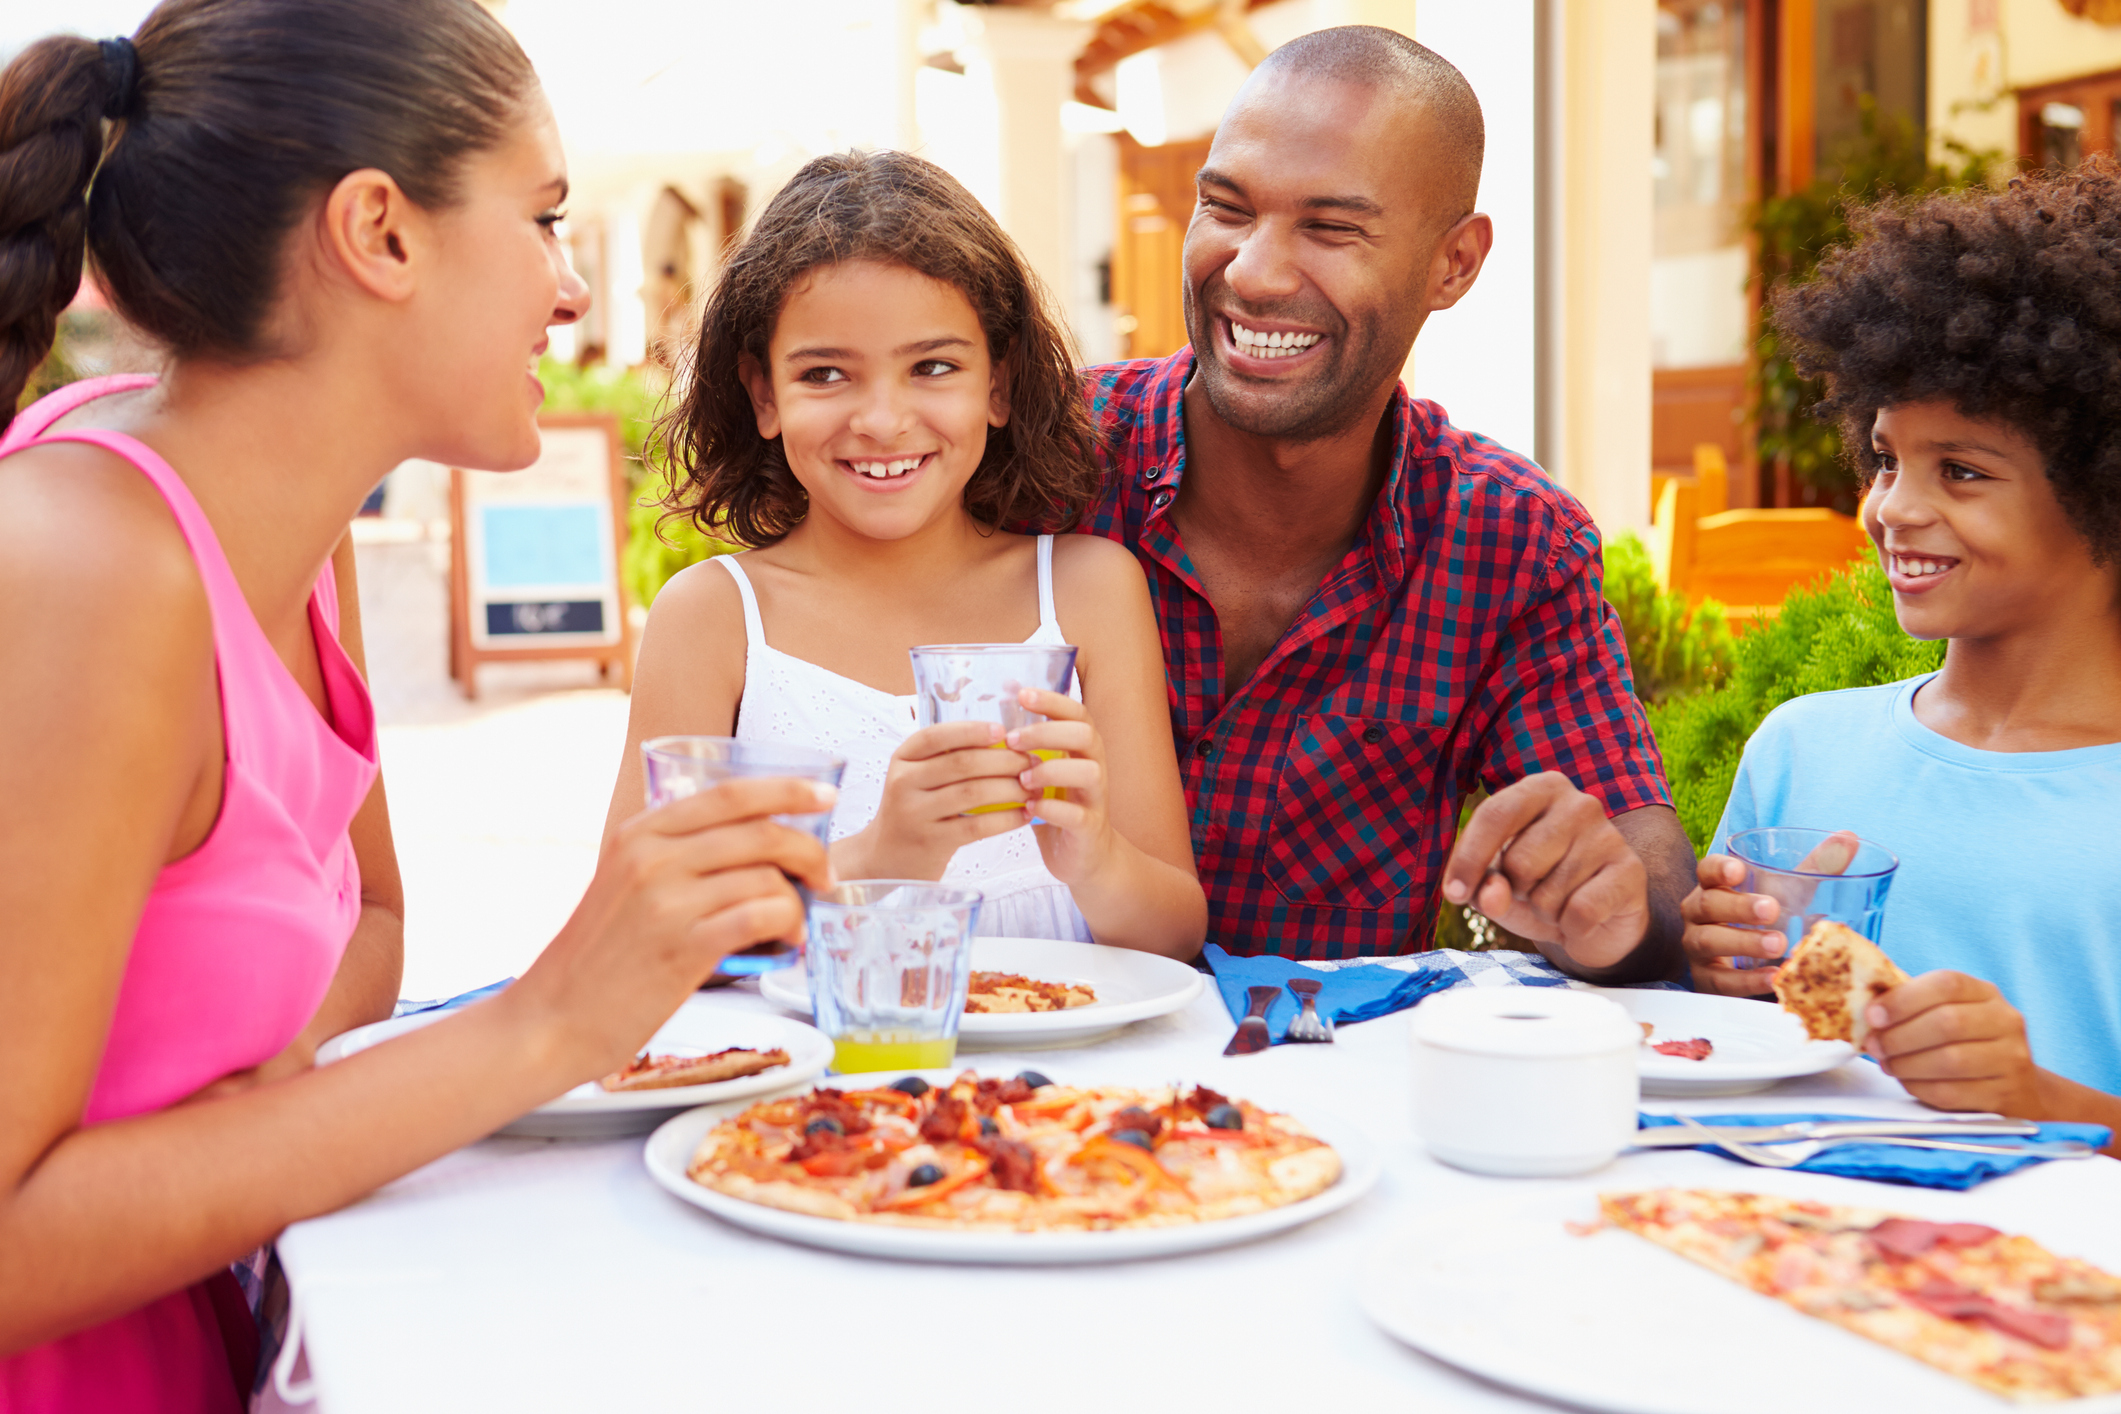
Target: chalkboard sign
point(535, 554)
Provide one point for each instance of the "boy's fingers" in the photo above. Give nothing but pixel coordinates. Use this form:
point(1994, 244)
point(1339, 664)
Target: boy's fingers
point(1708, 940)
point(1734, 982)
point(1719, 871)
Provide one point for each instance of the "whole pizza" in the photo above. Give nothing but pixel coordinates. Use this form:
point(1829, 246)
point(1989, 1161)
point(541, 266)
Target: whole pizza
point(1997, 1310)
point(1019, 1154)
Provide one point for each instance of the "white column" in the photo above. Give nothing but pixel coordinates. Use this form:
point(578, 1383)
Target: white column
point(1026, 59)
point(1479, 359)
point(1598, 198)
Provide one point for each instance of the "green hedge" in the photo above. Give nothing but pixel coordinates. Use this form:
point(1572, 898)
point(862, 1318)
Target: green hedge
point(1837, 633)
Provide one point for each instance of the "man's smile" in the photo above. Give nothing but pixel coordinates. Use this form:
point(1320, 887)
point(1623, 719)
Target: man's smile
point(1245, 345)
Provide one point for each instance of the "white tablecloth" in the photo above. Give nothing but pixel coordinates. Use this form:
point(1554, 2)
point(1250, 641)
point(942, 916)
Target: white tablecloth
point(530, 1275)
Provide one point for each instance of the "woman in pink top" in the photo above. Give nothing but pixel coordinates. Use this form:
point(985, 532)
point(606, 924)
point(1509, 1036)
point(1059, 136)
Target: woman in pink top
point(337, 219)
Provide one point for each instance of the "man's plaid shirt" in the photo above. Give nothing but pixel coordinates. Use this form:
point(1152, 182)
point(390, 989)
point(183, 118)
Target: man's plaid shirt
point(1463, 640)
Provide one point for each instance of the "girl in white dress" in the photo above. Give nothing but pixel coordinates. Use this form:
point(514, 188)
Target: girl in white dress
point(879, 399)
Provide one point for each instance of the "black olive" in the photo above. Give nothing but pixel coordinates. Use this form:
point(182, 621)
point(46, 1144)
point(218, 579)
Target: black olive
point(1135, 1137)
point(825, 1124)
point(923, 1176)
point(988, 1126)
point(1225, 1117)
point(1033, 1079)
point(912, 1085)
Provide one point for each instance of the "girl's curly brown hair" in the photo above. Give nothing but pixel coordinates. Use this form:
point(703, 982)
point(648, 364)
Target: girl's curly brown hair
point(2005, 303)
point(1037, 471)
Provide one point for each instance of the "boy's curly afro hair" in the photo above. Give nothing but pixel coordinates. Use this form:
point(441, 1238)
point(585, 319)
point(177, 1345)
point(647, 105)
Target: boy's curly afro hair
point(2007, 304)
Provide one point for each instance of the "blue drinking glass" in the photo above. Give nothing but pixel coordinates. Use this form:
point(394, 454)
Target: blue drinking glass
point(1813, 875)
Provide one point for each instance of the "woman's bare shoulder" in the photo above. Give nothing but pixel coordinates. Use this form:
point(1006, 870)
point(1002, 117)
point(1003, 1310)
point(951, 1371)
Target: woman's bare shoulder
point(82, 531)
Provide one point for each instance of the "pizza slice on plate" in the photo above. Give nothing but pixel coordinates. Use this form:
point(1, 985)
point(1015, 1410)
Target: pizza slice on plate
point(1831, 978)
point(666, 1072)
point(1997, 1310)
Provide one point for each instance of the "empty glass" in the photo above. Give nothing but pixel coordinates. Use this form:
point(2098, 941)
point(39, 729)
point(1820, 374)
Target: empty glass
point(1814, 875)
point(677, 766)
point(978, 682)
point(889, 962)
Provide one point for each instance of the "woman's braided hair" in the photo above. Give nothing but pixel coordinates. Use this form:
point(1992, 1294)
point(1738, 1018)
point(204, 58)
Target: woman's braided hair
point(2006, 304)
point(182, 158)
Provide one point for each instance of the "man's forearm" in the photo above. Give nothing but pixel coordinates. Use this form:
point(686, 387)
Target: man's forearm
point(1654, 833)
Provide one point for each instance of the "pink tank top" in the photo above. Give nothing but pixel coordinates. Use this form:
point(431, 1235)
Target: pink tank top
point(237, 944)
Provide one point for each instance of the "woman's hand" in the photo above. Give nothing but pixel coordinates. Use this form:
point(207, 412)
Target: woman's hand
point(1074, 833)
point(678, 888)
point(1956, 1044)
point(1722, 923)
point(936, 776)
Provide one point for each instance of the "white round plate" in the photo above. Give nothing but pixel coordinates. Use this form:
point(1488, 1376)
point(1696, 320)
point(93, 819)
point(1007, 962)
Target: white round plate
point(592, 1112)
point(671, 1148)
point(1756, 1043)
point(1131, 986)
point(1613, 1322)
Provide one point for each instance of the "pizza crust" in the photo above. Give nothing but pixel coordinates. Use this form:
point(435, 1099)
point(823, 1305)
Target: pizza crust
point(991, 993)
point(1830, 980)
point(669, 1072)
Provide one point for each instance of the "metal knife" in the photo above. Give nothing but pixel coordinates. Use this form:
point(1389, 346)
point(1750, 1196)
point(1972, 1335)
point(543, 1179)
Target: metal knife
point(1252, 1031)
point(1677, 1136)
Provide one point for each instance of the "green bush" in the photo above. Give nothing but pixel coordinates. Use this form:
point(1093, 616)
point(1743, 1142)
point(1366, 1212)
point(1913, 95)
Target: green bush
point(1838, 633)
point(1673, 648)
point(655, 550)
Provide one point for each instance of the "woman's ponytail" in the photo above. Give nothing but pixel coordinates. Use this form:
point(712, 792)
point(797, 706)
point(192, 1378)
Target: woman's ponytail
point(53, 100)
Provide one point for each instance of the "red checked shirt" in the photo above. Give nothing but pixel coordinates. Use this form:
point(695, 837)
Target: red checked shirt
point(1461, 641)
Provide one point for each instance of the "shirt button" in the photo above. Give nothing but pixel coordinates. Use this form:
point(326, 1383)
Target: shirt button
point(1161, 499)
point(1205, 746)
point(1373, 735)
point(1153, 475)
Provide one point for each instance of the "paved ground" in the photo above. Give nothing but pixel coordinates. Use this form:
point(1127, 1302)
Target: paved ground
point(497, 804)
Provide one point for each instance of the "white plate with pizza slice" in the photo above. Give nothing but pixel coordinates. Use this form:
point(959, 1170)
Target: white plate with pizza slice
point(699, 1030)
point(1607, 1320)
point(1752, 1045)
point(1127, 986)
point(671, 1149)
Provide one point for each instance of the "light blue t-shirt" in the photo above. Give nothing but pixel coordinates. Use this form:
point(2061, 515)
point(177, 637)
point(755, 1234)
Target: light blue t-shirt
point(2010, 862)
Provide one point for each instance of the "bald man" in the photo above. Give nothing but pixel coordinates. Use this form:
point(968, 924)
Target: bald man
point(1366, 611)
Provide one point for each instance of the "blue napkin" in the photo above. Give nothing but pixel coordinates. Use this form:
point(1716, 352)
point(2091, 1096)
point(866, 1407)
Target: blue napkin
point(1919, 1168)
point(1351, 992)
point(408, 1007)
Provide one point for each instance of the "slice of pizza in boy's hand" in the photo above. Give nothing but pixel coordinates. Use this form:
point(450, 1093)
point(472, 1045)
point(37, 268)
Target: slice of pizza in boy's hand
point(1831, 979)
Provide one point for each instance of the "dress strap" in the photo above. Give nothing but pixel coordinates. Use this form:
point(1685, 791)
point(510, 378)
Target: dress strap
point(754, 627)
point(1048, 617)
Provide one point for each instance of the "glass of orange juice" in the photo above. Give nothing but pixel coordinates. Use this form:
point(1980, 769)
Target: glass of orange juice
point(978, 682)
point(889, 963)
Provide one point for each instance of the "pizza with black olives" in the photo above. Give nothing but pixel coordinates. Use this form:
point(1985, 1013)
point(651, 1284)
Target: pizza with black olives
point(1020, 1154)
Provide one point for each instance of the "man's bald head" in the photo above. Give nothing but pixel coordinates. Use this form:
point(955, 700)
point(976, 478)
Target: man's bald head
point(1428, 83)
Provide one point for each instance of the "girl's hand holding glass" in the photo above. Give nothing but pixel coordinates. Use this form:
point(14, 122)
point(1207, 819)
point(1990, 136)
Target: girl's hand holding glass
point(1074, 832)
point(947, 786)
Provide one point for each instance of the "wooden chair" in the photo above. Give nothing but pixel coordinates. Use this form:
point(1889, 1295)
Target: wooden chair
point(1746, 559)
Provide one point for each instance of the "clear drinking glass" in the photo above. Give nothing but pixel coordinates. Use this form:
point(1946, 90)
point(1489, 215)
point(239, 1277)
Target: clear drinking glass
point(978, 682)
point(1815, 874)
point(677, 766)
point(889, 963)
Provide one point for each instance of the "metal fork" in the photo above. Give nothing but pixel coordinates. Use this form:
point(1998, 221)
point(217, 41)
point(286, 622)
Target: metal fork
point(1789, 1156)
point(1308, 1025)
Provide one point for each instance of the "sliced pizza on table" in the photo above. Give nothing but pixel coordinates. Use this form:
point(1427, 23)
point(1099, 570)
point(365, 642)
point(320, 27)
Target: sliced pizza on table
point(999, 992)
point(1996, 1310)
point(651, 1072)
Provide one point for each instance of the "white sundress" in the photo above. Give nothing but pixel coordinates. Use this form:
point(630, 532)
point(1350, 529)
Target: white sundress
point(788, 699)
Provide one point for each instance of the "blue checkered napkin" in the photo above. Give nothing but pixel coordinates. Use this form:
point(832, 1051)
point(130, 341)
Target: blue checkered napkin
point(1362, 989)
point(408, 1007)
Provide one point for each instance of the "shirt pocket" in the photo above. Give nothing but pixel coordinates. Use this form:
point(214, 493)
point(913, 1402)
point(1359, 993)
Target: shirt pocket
point(1354, 811)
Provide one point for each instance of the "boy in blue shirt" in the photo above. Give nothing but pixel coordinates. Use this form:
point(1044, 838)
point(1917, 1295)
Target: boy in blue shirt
point(1972, 347)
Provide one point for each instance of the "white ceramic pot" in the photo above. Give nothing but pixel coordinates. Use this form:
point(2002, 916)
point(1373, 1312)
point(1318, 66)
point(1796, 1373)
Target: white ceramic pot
point(1524, 1081)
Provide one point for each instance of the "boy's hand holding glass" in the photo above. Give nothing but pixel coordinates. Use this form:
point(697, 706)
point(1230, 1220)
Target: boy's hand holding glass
point(1723, 923)
point(947, 785)
point(1066, 783)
